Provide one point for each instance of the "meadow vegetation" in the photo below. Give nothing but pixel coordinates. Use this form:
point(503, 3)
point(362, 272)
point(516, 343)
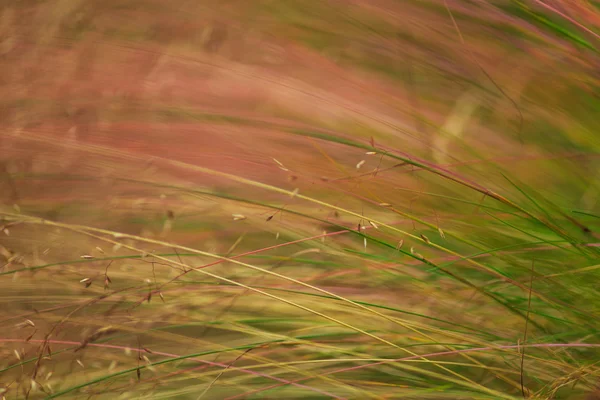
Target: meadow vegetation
point(299, 199)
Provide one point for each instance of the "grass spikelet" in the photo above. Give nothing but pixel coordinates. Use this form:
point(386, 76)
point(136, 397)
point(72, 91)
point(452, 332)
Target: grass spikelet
point(281, 166)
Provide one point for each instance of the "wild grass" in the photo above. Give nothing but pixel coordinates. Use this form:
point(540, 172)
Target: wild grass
point(299, 199)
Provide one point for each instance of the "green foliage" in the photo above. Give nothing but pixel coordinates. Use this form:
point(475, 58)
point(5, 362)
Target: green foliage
point(276, 200)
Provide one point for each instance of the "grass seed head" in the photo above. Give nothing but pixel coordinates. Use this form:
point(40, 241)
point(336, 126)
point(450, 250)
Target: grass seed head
point(280, 165)
point(238, 217)
point(31, 336)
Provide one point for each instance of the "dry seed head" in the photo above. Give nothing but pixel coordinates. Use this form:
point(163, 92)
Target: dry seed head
point(85, 280)
point(23, 324)
point(9, 255)
point(87, 257)
point(370, 153)
point(238, 217)
point(31, 336)
point(99, 249)
point(425, 238)
point(385, 204)
point(365, 242)
point(374, 225)
point(360, 164)
point(113, 365)
point(281, 166)
point(17, 354)
point(80, 363)
point(104, 329)
point(441, 232)
point(400, 244)
point(294, 193)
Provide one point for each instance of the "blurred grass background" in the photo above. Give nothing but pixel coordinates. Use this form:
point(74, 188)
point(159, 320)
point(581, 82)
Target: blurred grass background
point(299, 199)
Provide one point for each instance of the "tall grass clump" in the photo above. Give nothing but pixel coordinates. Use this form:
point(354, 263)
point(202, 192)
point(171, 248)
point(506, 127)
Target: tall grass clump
point(299, 199)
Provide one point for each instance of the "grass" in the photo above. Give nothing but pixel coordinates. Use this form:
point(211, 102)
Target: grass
point(299, 200)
